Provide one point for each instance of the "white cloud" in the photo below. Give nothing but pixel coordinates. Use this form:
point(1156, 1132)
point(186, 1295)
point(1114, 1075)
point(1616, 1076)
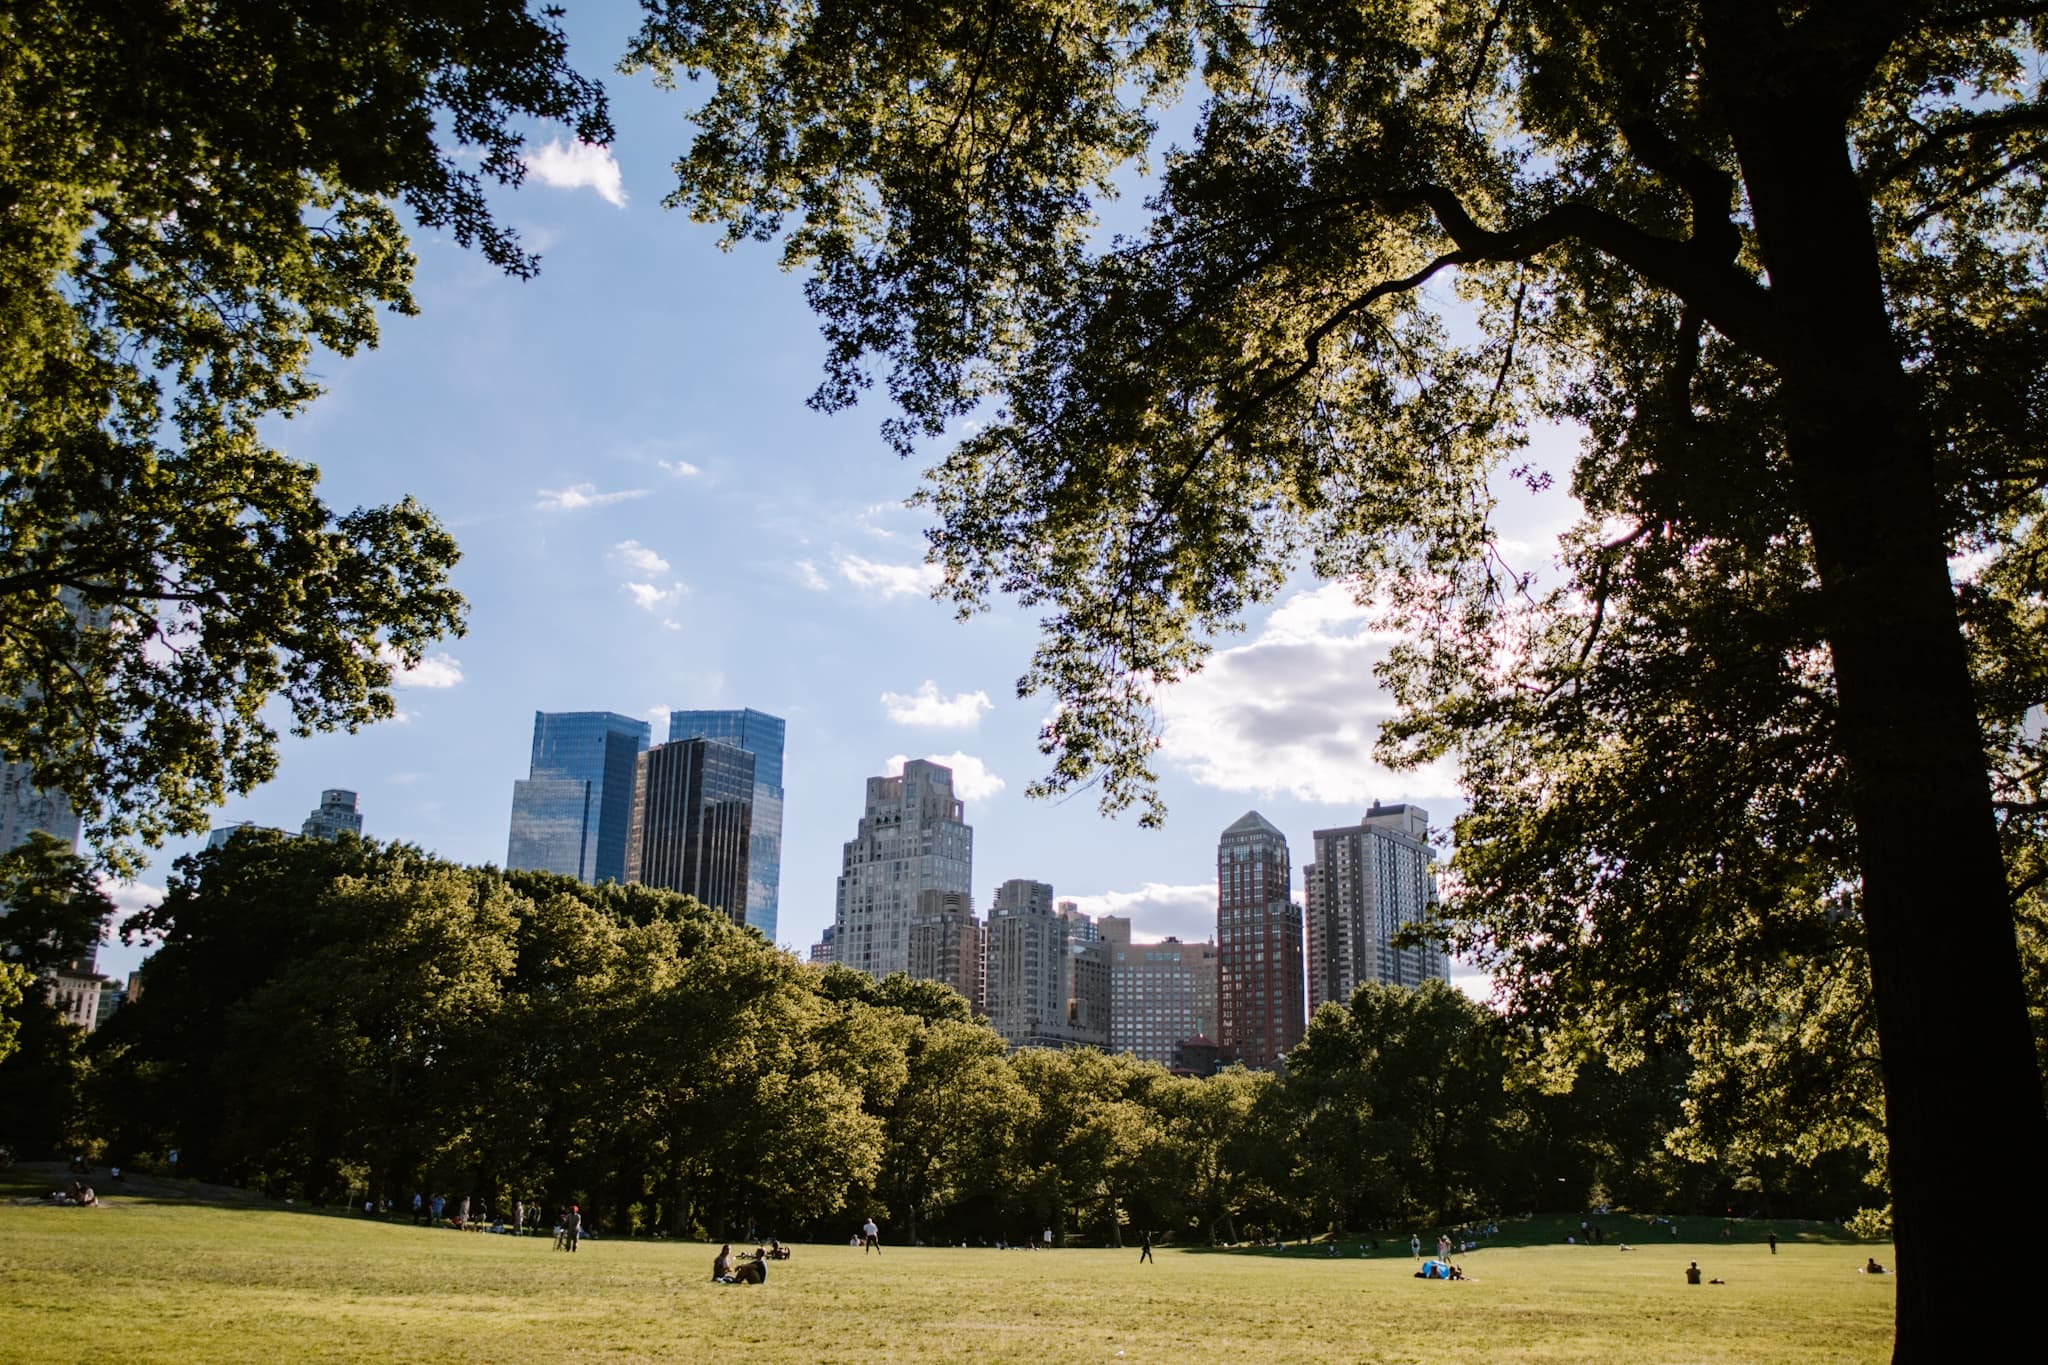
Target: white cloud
point(657, 716)
point(866, 520)
point(962, 711)
point(129, 898)
point(570, 165)
point(1296, 711)
point(582, 495)
point(682, 469)
point(808, 575)
point(435, 670)
point(637, 558)
point(649, 597)
point(889, 580)
point(1474, 982)
point(1158, 910)
point(972, 781)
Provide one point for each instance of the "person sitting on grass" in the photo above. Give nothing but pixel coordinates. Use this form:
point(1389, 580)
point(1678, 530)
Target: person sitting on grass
point(721, 1265)
point(753, 1269)
point(777, 1251)
point(1871, 1267)
point(1692, 1273)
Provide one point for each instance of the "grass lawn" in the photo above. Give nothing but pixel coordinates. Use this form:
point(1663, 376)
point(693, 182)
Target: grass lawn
point(143, 1280)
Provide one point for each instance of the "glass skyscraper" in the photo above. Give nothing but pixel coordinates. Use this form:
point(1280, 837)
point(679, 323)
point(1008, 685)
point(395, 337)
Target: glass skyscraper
point(572, 814)
point(761, 735)
point(692, 822)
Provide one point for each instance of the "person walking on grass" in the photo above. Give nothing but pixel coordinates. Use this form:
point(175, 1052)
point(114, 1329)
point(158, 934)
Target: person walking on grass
point(573, 1225)
point(1144, 1247)
point(1772, 1238)
point(870, 1237)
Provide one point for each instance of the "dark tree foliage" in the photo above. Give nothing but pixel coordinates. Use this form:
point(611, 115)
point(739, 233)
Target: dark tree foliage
point(193, 199)
point(344, 1020)
point(52, 910)
point(1782, 263)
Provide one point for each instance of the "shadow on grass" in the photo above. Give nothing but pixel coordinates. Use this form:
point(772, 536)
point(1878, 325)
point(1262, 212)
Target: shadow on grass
point(1551, 1229)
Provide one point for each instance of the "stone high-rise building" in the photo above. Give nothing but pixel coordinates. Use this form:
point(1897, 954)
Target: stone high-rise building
point(1048, 971)
point(1259, 947)
point(692, 825)
point(1088, 981)
point(26, 808)
point(1027, 966)
point(946, 944)
point(914, 838)
point(1368, 882)
point(1161, 994)
point(335, 816)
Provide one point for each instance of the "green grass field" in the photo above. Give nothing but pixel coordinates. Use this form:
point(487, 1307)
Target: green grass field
point(144, 1280)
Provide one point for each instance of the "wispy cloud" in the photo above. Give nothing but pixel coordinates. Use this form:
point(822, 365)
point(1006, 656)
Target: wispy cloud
point(972, 781)
point(435, 670)
point(633, 557)
point(889, 580)
point(650, 597)
point(962, 711)
point(682, 469)
point(1157, 909)
point(808, 575)
point(868, 519)
point(582, 495)
point(567, 165)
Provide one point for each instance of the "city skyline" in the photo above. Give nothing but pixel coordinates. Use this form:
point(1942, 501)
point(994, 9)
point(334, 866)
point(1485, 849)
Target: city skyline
point(652, 518)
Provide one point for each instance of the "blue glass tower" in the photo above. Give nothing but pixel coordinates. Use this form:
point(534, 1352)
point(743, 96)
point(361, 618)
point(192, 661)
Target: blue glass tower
point(572, 815)
point(761, 735)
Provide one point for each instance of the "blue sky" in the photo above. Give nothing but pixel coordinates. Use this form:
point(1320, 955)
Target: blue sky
point(650, 518)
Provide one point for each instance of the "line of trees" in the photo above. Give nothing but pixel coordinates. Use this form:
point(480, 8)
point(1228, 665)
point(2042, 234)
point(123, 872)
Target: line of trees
point(326, 1020)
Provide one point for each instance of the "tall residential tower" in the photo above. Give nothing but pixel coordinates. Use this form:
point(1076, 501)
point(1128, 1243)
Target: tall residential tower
point(1370, 881)
point(1258, 929)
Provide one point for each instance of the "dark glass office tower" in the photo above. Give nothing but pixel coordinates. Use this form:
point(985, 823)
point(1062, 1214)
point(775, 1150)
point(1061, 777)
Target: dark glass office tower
point(572, 814)
point(761, 735)
point(693, 822)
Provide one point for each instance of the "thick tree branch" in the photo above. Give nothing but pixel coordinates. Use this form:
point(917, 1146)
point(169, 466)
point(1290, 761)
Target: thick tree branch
point(1737, 306)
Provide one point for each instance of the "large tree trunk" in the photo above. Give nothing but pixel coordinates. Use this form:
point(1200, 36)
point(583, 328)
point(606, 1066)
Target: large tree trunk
point(1962, 1093)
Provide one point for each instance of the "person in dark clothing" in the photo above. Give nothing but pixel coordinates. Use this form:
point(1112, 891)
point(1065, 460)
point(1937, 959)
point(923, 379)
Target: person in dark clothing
point(1772, 1238)
point(1692, 1273)
point(573, 1224)
point(1144, 1248)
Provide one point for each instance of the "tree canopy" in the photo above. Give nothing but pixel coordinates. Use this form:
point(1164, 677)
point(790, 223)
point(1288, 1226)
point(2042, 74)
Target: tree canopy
point(335, 1021)
point(1781, 264)
point(193, 200)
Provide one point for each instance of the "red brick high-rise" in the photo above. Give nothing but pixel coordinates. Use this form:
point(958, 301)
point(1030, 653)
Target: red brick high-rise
point(1258, 935)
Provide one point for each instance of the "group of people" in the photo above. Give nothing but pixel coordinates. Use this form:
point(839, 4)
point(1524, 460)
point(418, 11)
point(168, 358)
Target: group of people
point(435, 1210)
point(747, 1269)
